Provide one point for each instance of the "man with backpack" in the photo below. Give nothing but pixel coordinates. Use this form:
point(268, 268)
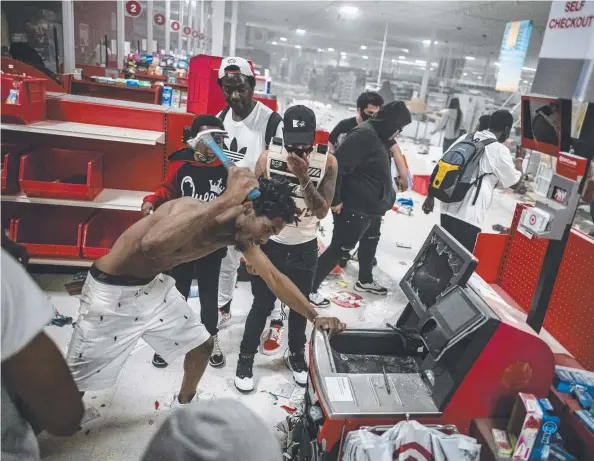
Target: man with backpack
point(250, 126)
point(465, 177)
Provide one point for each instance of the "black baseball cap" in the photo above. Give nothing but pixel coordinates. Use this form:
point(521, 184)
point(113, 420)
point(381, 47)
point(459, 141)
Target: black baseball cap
point(299, 126)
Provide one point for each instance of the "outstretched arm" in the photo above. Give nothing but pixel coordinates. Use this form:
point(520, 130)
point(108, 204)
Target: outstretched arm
point(286, 291)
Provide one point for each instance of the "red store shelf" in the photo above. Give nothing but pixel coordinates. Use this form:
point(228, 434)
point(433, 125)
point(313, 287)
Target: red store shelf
point(103, 229)
point(62, 173)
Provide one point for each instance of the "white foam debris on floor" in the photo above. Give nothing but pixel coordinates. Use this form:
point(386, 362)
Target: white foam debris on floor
point(128, 415)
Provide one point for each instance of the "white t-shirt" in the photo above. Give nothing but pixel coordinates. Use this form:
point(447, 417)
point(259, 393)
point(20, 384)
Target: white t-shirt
point(247, 136)
point(25, 311)
point(496, 160)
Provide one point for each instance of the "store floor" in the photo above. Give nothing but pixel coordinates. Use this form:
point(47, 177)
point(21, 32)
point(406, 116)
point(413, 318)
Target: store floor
point(126, 416)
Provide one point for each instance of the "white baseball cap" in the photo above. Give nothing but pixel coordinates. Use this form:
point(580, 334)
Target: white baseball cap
point(244, 66)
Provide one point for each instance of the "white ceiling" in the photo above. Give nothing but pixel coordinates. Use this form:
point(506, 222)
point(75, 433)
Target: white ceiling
point(468, 27)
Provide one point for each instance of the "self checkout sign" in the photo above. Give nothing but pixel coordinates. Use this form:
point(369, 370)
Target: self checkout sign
point(187, 30)
point(133, 8)
point(175, 26)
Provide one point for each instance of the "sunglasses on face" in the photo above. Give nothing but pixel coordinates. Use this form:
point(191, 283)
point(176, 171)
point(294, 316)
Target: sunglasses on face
point(300, 151)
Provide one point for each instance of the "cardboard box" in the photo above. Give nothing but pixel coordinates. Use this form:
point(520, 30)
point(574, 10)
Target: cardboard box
point(566, 378)
point(524, 423)
point(547, 433)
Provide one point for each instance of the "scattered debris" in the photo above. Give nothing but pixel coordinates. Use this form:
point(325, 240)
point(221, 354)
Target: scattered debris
point(74, 287)
point(87, 431)
point(288, 409)
point(501, 229)
point(102, 405)
point(151, 422)
point(94, 397)
point(403, 245)
point(403, 263)
point(272, 394)
point(284, 389)
point(342, 283)
point(156, 404)
point(347, 299)
point(91, 413)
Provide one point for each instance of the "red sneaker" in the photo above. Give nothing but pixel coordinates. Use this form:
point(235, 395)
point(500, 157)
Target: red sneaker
point(272, 340)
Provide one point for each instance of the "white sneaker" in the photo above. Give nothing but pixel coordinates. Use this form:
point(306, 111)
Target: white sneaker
point(296, 363)
point(217, 358)
point(272, 340)
point(244, 377)
point(224, 318)
point(372, 287)
point(317, 299)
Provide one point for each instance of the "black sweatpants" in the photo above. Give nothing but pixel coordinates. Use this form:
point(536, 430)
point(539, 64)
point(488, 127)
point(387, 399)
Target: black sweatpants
point(206, 271)
point(465, 233)
point(298, 263)
point(350, 228)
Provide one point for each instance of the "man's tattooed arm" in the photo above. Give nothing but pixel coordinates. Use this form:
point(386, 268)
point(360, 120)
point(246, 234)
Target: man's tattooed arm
point(319, 200)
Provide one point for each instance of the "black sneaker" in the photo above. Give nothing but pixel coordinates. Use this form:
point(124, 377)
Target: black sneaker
point(217, 358)
point(318, 300)
point(372, 287)
point(159, 362)
point(244, 377)
point(295, 362)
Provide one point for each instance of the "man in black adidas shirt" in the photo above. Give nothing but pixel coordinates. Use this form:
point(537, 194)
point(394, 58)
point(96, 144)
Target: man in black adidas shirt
point(199, 174)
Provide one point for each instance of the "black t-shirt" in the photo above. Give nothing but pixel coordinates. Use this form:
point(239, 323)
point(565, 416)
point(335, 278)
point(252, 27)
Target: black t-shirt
point(341, 130)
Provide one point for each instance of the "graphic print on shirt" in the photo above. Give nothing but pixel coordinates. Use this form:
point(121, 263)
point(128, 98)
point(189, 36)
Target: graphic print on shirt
point(215, 189)
point(232, 151)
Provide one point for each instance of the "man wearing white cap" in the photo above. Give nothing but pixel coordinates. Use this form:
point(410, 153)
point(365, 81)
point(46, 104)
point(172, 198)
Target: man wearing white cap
point(251, 126)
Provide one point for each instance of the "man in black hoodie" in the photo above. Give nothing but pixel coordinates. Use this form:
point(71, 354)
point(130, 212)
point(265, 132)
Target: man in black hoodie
point(364, 193)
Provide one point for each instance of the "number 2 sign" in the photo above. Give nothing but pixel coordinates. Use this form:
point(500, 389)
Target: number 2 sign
point(133, 8)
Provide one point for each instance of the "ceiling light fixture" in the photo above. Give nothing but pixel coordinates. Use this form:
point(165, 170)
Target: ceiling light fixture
point(404, 50)
point(496, 64)
point(343, 53)
point(320, 50)
point(330, 49)
point(529, 69)
point(401, 57)
point(464, 74)
point(274, 43)
point(300, 31)
point(298, 47)
point(435, 42)
point(393, 60)
point(363, 47)
point(349, 10)
point(283, 39)
point(469, 58)
point(365, 57)
point(426, 42)
point(420, 62)
point(479, 77)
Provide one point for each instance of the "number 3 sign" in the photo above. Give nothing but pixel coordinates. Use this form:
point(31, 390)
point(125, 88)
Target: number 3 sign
point(133, 8)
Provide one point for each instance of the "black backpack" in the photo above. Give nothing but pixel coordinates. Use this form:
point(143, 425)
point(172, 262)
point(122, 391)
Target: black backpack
point(271, 127)
point(457, 171)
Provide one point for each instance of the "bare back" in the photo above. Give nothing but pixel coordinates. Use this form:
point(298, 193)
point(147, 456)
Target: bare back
point(166, 227)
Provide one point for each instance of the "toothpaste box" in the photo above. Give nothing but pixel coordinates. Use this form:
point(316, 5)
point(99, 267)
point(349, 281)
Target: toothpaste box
point(547, 432)
point(525, 422)
point(586, 418)
point(566, 378)
point(557, 453)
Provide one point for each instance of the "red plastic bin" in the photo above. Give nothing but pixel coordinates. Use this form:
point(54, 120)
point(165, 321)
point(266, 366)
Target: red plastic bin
point(103, 229)
point(51, 230)
point(11, 163)
point(32, 103)
point(62, 173)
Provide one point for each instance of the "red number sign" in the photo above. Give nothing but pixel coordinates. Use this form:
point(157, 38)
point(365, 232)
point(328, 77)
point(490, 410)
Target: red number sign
point(175, 26)
point(159, 19)
point(187, 30)
point(133, 8)
point(195, 33)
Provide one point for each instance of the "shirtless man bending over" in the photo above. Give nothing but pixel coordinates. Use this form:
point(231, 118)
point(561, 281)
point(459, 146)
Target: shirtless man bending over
point(126, 295)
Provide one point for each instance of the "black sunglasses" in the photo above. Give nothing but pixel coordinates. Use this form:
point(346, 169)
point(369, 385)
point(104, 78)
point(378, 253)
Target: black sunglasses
point(300, 151)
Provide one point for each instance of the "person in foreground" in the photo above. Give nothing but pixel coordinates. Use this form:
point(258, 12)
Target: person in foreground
point(127, 297)
point(38, 391)
point(214, 430)
point(196, 172)
point(294, 251)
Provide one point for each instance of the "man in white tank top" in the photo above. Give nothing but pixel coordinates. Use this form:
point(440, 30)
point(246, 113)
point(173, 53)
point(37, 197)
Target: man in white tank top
point(294, 252)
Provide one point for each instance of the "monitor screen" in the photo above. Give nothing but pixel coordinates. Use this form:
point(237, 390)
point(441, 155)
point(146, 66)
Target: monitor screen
point(546, 124)
point(456, 310)
point(441, 264)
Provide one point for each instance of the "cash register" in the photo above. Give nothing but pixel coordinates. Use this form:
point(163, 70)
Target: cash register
point(456, 353)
